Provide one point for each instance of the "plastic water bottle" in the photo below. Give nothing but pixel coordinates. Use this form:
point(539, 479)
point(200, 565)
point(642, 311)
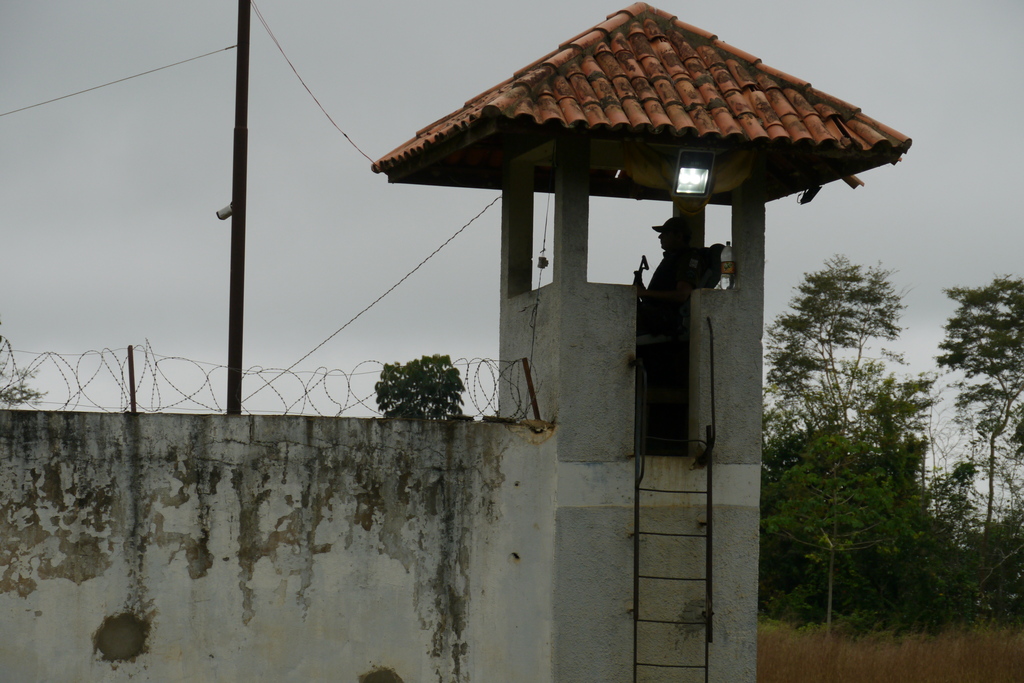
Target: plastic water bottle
point(728, 279)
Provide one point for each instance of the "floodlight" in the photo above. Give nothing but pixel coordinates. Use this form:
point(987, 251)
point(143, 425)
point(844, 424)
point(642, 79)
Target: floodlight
point(693, 173)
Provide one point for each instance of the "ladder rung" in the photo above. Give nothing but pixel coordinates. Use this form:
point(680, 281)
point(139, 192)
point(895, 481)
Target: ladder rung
point(668, 578)
point(697, 493)
point(661, 533)
point(677, 623)
point(674, 666)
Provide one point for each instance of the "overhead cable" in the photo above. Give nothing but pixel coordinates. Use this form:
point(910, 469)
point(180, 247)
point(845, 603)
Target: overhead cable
point(295, 71)
point(458, 232)
point(128, 78)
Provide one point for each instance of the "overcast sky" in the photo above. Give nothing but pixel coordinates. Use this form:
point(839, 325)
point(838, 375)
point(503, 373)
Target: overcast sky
point(107, 199)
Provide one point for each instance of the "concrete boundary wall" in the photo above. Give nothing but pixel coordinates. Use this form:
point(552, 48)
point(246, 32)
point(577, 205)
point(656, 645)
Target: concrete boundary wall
point(214, 548)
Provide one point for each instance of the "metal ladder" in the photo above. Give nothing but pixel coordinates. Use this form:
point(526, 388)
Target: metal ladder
point(688, 665)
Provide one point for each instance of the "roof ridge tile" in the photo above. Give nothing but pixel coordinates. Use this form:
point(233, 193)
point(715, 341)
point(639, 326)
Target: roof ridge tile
point(586, 39)
point(892, 132)
point(868, 134)
point(606, 27)
point(710, 56)
point(772, 71)
point(827, 110)
point(505, 101)
point(736, 52)
point(690, 28)
point(632, 11)
point(852, 110)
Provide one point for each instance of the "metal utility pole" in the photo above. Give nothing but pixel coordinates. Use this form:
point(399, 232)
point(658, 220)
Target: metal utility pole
point(236, 306)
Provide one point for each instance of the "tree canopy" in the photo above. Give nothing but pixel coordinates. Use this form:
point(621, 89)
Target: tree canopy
point(14, 381)
point(428, 388)
point(984, 342)
point(855, 527)
point(843, 441)
point(816, 350)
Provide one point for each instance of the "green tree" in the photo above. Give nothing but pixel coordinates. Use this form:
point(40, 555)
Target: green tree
point(14, 381)
point(428, 388)
point(938, 585)
point(831, 493)
point(832, 506)
point(843, 440)
point(984, 340)
point(816, 351)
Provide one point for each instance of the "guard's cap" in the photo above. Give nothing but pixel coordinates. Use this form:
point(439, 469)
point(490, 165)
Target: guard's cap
point(674, 223)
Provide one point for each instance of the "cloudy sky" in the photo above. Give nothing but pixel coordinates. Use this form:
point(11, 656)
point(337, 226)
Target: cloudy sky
point(107, 199)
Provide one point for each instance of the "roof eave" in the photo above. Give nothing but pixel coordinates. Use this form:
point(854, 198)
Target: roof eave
point(792, 168)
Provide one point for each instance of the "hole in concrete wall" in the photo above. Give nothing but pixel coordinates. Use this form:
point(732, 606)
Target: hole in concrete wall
point(121, 637)
point(380, 676)
point(514, 557)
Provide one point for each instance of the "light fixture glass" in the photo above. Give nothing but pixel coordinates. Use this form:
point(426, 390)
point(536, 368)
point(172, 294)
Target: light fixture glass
point(693, 173)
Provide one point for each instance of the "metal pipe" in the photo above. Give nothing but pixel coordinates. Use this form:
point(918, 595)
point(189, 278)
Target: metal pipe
point(529, 387)
point(638, 460)
point(131, 380)
point(712, 435)
point(236, 304)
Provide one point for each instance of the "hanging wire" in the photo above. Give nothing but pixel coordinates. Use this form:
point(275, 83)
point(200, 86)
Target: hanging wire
point(542, 260)
point(263, 21)
point(267, 383)
point(120, 80)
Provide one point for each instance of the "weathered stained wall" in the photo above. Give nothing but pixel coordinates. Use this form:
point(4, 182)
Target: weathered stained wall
point(273, 548)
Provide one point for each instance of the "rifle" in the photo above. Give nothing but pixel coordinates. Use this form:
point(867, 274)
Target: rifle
point(638, 274)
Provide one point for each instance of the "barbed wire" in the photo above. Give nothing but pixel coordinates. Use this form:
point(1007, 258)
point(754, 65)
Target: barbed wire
point(100, 381)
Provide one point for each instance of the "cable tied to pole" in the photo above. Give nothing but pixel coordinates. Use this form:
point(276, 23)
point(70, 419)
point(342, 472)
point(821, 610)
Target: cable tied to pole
point(393, 287)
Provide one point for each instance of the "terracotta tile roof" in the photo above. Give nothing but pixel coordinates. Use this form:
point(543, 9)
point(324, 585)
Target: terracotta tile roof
point(644, 74)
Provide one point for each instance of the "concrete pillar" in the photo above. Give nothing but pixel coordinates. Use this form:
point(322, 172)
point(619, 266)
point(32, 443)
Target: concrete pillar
point(517, 299)
point(737, 318)
point(579, 336)
point(572, 214)
point(591, 330)
point(517, 218)
point(580, 339)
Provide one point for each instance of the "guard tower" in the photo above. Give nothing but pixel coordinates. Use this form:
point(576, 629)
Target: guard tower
point(655, 557)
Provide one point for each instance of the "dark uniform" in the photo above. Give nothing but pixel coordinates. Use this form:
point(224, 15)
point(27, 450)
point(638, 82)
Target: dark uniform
point(668, 317)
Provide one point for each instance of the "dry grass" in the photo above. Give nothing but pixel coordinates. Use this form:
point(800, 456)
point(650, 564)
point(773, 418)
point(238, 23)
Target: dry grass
point(984, 656)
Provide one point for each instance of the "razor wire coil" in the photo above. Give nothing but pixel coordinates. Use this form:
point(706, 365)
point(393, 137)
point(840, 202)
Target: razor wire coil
point(99, 381)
